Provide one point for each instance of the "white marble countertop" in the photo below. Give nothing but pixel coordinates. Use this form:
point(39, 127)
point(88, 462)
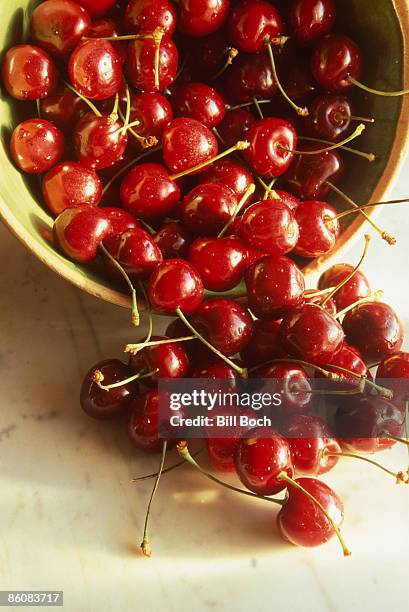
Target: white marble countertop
point(71, 519)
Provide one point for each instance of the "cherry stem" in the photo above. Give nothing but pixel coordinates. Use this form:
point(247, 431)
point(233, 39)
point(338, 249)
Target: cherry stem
point(114, 114)
point(98, 379)
point(369, 156)
point(303, 112)
point(384, 235)
point(340, 116)
point(365, 206)
point(166, 470)
point(396, 438)
point(157, 38)
point(377, 92)
point(399, 476)
point(382, 391)
point(350, 275)
point(284, 476)
point(136, 348)
point(134, 308)
point(337, 145)
point(267, 188)
point(128, 105)
point(246, 104)
point(183, 451)
point(38, 105)
point(145, 544)
point(124, 37)
point(312, 293)
point(247, 194)
point(376, 296)
point(268, 193)
point(257, 105)
point(127, 166)
point(241, 371)
point(231, 54)
point(148, 227)
point(356, 391)
point(241, 145)
point(90, 104)
point(306, 364)
point(145, 141)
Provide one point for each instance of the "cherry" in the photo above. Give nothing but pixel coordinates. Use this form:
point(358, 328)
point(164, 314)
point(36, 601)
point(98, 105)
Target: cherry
point(143, 422)
point(291, 381)
point(99, 141)
point(153, 111)
point(395, 369)
point(295, 74)
point(271, 141)
point(318, 228)
point(69, 185)
point(175, 284)
point(199, 101)
point(318, 347)
point(250, 22)
point(173, 240)
point(148, 191)
point(229, 173)
point(163, 360)
point(136, 251)
point(314, 297)
point(95, 69)
point(311, 19)
point(221, 262)
point(275, 285)
point(58, 26)
point(288, 199)
point(354, 290)
point(213, 368)
point(260, 459)
point(250, 77)
point(28, 72)
point(78, 232)
point(235, 125)
point(302, 522)
point(63, 107)
point(221, 453)
point(334, 59)
point(186, 143)
point(350, 359)
point(206, 208)
point(107, 28)
point(309, 175)
point(196, 350)
point(121, 221)
point(310, 439)
point(329, 118)
point(269, 226)
point(264, 344)
point(201, 17)
point(375, 329)
point(142, 63)
point(144, 17)
point(97, 8)
point(36, 146)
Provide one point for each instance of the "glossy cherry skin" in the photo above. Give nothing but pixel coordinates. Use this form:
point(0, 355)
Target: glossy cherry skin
point(269, 226)
point(213, 368)
point(250, 22)
point(153, 111)
point(175, 283)
point(104, 405)
point(201, 17)
point(99, 141)
point(143, 422)
point(235, 125)
point(264, 345)
point(294, 387)
point(375, 329)
point(121, 220)
point(199, 101)
point(329, 118)
point(229, 173)
point(355, 289)
point(144, 17)
point(36, 146)
point(294, 70)
point(393, 373)
point(206, 208)
point(186, 143)
point(350, 359)
point(58, 26)
point(308, 174)
point(250, 76)
point(260, 458)
point(221, 262)
point(173, 240)
point(70, 184)
point(312, 334)
point(224, 323)
point(148, 191)
point(28, 72)
point(141, 63)
point(221, 453)
point(362, 422)
point(63, 108)
point(275, 285)
point(311, 297)
point(269, 140)
point(334, 58)
point(78, 232)
point(108, 28)
point(207, 55)
point(309, 438)
point(302, 522)
point(198, 353)
point(97, 8)
point(136, 251)
point(165, 360)
point(311, 19)
point(318, 229)
point(95, 69)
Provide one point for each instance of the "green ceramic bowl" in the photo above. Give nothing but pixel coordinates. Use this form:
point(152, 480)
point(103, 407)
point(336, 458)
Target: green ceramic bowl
point(381, 27)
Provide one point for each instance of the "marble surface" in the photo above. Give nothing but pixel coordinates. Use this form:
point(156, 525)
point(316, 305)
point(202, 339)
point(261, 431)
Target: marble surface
point(71, 519)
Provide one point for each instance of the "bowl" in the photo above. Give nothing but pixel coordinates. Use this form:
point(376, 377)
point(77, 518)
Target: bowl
point(381, 27)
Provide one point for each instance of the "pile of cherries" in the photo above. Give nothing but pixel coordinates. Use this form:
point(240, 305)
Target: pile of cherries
point(129, 146)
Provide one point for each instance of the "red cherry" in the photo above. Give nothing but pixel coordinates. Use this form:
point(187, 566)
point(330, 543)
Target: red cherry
point(311, 19)
point(264, 344)
point(288, 198)
point(329, 118)
point(108, 28)
point(275, 285)
point(250, 76)
point(143, 17)
point(308, 175)
point(302, 522)
point(95, 69)
point(186, 143)
point(36, 146)
point(221, 262)
point(141, 63)
point(173, 240)
point(350, 359)
point(311, 297)
point(69, 185)
point(148, 191)
point(136, 251)
point(99, 141)
point(196, 350)
point(201, 17)
point(393, 373)
point(213, 368)
point(58, 26)
point(235, 125)
point(199, 101)
point(63, 107)
point(294, 387)
point(165, 360)
point(221, 452)
point(143, 422)
point(260, 459)
point(270, 142)
point(334, 59)
point(229, 173)
point(375, 329)
point(355, 289)
point(153, 111)
point(121, 221)
point(78, 232)
point(97, 8)
point(175, 284)
point(269, 226)
point(318, 346)
point(318, 228)
point(28, 72)
point(250, 22)
point(295, 74)
point(206, 208)
point(208, 54)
